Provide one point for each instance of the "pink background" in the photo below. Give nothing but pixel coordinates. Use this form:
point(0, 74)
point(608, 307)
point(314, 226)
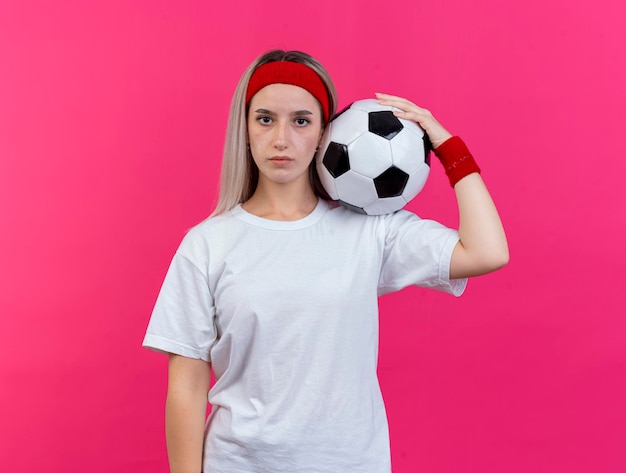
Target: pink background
point(112, 118)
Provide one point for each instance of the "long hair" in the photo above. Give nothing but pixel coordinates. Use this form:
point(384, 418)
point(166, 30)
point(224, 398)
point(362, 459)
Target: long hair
point(239, 174)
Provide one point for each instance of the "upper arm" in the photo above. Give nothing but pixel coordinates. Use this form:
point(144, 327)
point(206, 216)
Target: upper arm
point(188, 375)
point(417, 252)
point(183, 318)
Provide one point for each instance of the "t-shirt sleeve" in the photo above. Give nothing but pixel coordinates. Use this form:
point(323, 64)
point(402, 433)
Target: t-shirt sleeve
point(182, 321)
point(417, 252)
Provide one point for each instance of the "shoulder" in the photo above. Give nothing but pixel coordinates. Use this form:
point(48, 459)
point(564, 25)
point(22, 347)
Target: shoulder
point(405, 218)
point(386, 222)
point(381, 228)
point(209, 235)
point(340, 212)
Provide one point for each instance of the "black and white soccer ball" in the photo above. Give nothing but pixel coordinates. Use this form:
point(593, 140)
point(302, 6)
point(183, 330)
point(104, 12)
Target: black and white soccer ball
point(372, 162)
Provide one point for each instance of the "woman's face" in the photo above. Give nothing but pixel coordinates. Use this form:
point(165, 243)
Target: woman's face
point(284, 130)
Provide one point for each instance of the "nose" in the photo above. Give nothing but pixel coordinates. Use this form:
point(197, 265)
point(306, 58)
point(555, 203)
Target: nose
point(281, 135)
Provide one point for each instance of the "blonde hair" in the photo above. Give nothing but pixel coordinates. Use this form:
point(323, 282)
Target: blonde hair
point(239, 174)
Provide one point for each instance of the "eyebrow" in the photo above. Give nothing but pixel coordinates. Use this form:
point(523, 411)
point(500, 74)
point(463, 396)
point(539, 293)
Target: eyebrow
point(269, 112)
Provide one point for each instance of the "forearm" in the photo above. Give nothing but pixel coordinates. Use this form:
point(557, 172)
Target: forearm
point(184, 430)
point(185, 413)
point(483, 246)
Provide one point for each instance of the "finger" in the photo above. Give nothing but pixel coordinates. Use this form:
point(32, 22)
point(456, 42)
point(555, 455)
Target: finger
point(419, 115)
point(399, 103)
point(393, 99)
point(390, 97)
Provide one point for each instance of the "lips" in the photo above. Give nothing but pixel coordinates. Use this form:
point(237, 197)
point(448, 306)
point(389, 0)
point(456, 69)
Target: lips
point(281, 160)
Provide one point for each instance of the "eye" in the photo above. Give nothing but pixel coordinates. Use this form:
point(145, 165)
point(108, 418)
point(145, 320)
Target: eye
point(264, 120)
point(302, 121)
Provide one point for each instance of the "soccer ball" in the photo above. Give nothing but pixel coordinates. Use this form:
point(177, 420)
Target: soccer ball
point(372, 162)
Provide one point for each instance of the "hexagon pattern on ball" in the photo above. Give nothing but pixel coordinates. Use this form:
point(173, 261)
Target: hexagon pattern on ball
point(391, 183)
point(336, 159)
point(372, 162)
point(384, 124)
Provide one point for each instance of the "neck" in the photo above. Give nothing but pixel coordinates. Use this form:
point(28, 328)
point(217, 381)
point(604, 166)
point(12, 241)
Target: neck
point(277, 203)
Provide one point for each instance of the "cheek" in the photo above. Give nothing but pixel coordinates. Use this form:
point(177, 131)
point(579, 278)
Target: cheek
point(254, 148)
point(307, 144)
point(312, 139)
point(255, 139)
point(316, 141)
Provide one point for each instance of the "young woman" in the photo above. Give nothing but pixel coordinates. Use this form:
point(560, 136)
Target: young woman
point(277, 290)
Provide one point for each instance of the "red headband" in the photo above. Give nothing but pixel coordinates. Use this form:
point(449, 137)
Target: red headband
point(292, 73)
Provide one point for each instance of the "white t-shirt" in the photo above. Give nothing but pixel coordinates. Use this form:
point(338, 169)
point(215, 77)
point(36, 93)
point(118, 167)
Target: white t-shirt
point(287, 313)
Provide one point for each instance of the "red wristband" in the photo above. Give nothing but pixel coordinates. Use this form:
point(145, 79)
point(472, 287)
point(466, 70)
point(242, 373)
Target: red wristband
point(457, 161)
